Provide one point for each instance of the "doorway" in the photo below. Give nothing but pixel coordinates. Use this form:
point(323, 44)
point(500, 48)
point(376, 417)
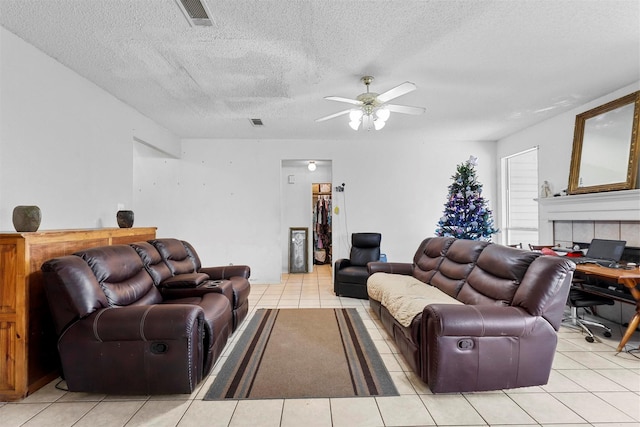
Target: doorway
point(297, 203)
point(322, 205)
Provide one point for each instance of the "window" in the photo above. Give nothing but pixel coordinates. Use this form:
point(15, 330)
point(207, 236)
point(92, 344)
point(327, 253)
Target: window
point(520, 188)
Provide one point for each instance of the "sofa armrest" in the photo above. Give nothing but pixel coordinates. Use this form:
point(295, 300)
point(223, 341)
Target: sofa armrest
point(137, 323)
point(206, 287)
point(186, 280)
point(227, 271)
point(147, 349)
point(342, 263)
point(390, 267)
point(476, 320)
point(475, 348)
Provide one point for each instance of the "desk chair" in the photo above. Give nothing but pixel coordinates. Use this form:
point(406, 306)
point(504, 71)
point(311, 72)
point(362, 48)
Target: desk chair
point(581, 299)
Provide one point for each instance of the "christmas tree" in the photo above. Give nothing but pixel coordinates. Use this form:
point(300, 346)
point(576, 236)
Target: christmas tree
point(466, 215)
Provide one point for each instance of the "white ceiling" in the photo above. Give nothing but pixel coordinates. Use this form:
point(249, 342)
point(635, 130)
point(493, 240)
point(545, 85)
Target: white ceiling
point(484, 69)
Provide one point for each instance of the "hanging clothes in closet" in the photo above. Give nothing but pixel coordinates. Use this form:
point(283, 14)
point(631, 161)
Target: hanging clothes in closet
point(322, 229)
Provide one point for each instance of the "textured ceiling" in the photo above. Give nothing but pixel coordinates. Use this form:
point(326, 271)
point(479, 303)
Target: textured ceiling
point(484, 69)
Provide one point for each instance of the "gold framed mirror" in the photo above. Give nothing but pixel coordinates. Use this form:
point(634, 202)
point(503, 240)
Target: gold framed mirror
point(605, 147)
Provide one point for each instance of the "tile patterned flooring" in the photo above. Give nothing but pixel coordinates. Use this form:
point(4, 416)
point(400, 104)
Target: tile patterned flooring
point(589, 385)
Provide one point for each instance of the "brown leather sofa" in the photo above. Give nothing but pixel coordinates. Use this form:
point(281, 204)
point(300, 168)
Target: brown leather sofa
point(471, 315)
point(127, 324)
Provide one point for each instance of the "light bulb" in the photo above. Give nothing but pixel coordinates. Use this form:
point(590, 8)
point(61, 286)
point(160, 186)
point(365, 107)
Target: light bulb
point(355, 115)
point(312, 166)
point(378, 124)
point(383, 114)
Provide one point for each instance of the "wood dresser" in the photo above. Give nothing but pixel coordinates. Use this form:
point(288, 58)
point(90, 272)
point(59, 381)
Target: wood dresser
point(28, 353)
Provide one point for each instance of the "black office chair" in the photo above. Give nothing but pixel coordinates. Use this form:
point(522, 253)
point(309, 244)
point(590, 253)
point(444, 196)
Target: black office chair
point(581, 299)
point(351, 274)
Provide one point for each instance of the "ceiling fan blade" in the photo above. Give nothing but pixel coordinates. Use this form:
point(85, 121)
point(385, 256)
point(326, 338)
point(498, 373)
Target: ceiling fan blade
point(406, 109)
point(333, 116)
point(401, 89)
point(341, 99)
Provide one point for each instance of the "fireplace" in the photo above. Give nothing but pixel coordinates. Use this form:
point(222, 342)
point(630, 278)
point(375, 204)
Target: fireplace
point(612, 215)
point(580, 218)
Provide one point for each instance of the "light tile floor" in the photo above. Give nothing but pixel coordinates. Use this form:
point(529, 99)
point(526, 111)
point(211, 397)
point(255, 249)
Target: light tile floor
point(590, 385)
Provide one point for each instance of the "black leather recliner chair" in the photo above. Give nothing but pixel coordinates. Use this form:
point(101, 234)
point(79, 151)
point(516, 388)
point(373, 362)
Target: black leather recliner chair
point(350, 275)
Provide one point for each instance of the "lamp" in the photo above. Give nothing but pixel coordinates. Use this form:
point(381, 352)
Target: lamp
point(311, 166)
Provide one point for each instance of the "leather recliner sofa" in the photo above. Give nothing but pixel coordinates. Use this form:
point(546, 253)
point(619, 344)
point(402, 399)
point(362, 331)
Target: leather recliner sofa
point(120, 332)
point(472, 315)
point(181, 259)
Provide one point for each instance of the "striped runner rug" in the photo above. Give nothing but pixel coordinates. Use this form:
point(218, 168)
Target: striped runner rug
point(303, 353)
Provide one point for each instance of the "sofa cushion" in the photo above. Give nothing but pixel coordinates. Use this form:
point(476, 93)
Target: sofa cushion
point(428, 257)
point(121, 275)
point(404, 296)
point(152, 261)
point(353, 274)
point(459, 260)
point(365, 247)
point(175, 254)
point(496, 276)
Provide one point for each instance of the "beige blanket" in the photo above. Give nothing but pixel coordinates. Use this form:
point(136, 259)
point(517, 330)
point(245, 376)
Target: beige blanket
point(404, 296)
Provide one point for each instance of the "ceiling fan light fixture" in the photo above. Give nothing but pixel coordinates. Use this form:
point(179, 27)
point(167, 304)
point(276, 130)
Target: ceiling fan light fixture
point(383, 114)
point(355, 115)
point(373, 109)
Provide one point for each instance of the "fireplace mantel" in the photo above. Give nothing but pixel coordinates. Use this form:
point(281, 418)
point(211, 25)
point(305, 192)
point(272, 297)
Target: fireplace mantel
point(608, 206)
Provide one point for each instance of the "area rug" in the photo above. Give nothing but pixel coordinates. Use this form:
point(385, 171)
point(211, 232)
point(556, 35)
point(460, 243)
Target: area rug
point(303, 353)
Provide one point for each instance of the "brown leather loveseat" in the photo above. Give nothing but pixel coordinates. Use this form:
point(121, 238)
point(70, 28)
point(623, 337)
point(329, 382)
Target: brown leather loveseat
point(471, 315)
point(130, 321)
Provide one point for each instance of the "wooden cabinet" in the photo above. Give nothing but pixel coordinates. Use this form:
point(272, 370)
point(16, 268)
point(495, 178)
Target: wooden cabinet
point(28, 353)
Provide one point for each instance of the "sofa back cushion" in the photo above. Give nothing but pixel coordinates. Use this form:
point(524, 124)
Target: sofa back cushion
point(365, 248)
point(498, 272)
point(72, 290)
point(152, 261)
point(193, 255)
point(175, 255)
point(458, 261)
point(121, 275)
point(428, 257)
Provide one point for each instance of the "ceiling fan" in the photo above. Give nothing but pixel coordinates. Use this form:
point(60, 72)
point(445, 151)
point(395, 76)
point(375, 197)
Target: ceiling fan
point(371, 109)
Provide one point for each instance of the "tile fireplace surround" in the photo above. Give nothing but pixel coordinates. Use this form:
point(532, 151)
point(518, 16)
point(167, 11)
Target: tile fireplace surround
point(612, 215)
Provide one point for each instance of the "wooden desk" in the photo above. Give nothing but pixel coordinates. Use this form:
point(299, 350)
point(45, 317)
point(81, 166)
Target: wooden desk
point(28, 351)
point(628, 278)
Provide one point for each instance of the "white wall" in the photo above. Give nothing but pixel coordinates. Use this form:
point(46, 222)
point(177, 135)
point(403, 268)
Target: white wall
point(555, 140)
point(230, 191)
point(65, 144)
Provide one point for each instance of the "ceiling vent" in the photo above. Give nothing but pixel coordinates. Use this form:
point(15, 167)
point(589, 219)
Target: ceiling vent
point(196, 12)
point(256, 122)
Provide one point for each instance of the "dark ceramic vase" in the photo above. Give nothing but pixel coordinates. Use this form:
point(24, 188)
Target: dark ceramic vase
point(26, 218)
point(125, 219)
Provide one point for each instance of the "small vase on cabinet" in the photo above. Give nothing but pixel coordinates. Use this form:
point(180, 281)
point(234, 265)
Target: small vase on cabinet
point(26, 218)
point(125, 219)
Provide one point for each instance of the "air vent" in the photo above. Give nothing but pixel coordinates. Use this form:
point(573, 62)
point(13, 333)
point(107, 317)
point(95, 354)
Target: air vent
point(256, 122)
point(196, 12)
